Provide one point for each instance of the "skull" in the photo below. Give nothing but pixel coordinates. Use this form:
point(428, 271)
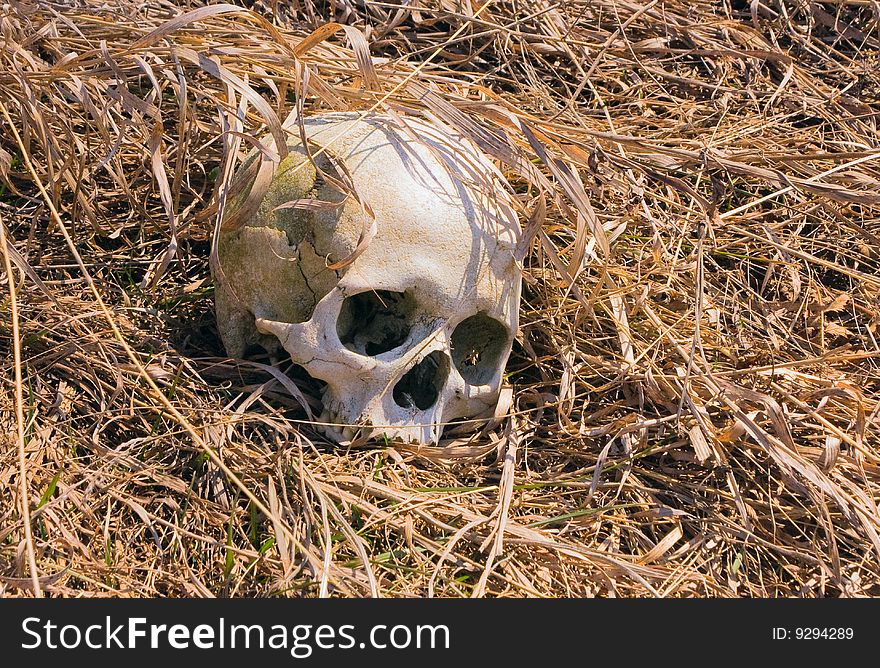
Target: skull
point(416, 330)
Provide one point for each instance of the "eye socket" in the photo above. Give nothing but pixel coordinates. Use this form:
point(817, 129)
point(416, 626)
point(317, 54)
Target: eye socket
point(478, 344)
point(374, 322)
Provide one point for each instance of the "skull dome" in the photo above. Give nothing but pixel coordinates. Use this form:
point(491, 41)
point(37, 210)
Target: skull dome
point(416, 330)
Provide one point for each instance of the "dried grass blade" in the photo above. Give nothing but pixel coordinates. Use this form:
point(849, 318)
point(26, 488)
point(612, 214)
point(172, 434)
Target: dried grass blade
point(211, 65)
point(183, 20)
point(23, 492)
point(572, 187)
point(159, 267)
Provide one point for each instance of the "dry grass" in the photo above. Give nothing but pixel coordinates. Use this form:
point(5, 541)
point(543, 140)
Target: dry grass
point(695, 405)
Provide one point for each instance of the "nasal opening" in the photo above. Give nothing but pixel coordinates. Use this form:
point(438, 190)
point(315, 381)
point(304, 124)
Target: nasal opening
point(421, 385)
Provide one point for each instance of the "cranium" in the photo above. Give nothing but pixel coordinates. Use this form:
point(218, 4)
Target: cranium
point(413, 333)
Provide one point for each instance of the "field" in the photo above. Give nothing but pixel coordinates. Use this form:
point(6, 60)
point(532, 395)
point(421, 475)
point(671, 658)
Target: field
point(693, 400)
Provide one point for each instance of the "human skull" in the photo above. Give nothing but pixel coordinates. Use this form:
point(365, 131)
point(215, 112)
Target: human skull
point(415, 332)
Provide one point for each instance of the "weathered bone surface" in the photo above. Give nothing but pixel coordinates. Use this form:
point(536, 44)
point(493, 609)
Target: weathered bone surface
point(415, 332)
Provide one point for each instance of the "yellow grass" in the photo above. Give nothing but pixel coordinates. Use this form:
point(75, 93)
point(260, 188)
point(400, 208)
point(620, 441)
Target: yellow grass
point(694, 405)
